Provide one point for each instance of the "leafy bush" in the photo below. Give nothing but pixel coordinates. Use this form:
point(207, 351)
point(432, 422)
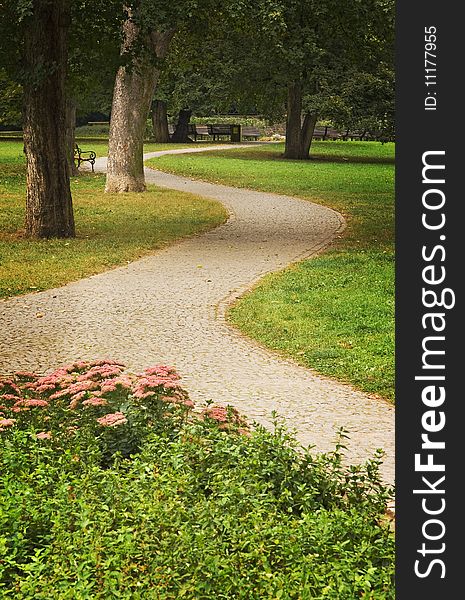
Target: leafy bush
point(143, 497)
point(102, 129)
point(231, 119)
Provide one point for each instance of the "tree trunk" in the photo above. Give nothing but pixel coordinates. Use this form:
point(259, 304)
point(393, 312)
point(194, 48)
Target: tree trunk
point(49, 209)
point(160, 122)
point(181, 131)
point(131, 102)
point(306, 136)
point(298, 134)
point(293, 120)
point(132, 97)
point(70, 134)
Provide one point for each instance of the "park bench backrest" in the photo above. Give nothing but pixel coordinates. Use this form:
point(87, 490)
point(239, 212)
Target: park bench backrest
point(320, 132)
point(332, 133)
point(248, 131)
point(219, 129)
point(201, 129)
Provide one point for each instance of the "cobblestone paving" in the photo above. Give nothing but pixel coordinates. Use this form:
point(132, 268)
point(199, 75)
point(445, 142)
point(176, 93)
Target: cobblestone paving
point(169, 308)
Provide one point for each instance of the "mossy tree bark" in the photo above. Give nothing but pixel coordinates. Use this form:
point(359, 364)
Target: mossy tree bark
point(132, 98)
point(49, 209)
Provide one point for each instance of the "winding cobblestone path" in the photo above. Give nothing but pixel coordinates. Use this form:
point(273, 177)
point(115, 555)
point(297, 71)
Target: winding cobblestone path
point(169, 308)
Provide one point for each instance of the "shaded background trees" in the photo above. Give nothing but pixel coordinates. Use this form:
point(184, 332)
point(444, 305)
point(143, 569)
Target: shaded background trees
point(294, 60)
point(307, 52)
point(301, 60)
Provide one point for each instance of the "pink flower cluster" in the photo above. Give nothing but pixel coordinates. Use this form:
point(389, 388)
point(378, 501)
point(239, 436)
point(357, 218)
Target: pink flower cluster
point(6, 423)
point(30, 403)
point(83, 365)
point(116, 384)
point(112, 419)
point(8, 386)
point(96, 384)
point(74, 389)
point(99, 372)
point(99, 386)
point(227, 417)
point(162, 371)
point(25, 374)
point(155, 380)
point(9, 397)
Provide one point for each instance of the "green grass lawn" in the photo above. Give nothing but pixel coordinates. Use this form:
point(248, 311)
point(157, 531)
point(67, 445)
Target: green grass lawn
point(112, 229)
point(100, 147)
point(334, 313)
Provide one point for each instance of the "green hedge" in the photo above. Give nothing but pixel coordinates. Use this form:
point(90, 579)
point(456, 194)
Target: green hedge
point(202, 508)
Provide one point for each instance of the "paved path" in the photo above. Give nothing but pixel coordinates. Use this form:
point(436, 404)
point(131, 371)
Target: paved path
point(169, 308)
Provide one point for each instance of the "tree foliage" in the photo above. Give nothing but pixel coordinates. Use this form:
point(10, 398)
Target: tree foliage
point(10, 100)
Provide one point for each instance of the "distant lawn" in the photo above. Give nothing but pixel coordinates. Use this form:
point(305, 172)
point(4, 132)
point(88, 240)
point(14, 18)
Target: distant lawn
point(334, 313)
point(97, 142)
point(100, 147)
point(112, 229)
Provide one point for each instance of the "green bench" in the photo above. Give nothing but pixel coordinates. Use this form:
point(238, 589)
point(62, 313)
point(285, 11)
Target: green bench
point(81, 156)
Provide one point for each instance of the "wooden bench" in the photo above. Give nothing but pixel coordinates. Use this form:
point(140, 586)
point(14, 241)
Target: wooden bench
point(319, 133)
point(219, 130)
point(332, 134)
point(198, 131)
point(325, 132)
point(356, 134)
point(250, 132)
point(81, 156)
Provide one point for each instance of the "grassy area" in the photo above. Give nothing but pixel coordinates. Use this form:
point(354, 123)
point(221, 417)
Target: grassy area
point(100, 147)
point(334, 313)
point(112, 228)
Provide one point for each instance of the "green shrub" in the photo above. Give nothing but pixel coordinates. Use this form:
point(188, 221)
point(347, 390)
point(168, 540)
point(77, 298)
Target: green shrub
point(101, 129)
point(232, 119)
point(202, 508)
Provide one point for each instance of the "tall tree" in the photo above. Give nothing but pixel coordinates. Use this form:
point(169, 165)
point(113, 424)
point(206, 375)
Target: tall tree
point(49, 211)
point(132, 97)
point(293, 55)
point(35, 40)
point(331, 42)
point(148, 32)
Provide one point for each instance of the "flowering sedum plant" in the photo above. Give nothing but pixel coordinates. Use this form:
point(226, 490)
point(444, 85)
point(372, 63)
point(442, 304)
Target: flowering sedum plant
point(102, 399)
